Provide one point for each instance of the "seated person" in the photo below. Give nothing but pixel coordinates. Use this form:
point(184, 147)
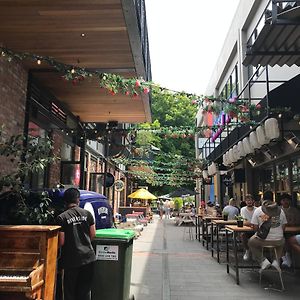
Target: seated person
point(293, 219)
point(231, 209)
point(268, 214)
point(292, 243)
point(292, 213)
point(247, 213)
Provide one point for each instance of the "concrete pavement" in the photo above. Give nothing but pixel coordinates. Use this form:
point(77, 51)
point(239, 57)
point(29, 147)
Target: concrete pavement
point(168, 266)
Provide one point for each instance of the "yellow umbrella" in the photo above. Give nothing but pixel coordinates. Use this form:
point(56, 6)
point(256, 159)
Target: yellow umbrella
point(142, 194)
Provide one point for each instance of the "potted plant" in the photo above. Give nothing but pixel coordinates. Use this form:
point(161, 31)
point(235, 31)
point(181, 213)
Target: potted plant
point(239, 221)
point(225, 215)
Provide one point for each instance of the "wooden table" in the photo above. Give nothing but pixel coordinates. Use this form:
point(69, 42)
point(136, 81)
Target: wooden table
point(235, 230)
point(217, 225)
point(186, 218)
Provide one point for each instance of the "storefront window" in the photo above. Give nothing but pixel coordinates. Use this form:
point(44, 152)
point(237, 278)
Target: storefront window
point(282, 178)
point(266, 180)
point(70, 174)
point(38, 179)
point(66, 152)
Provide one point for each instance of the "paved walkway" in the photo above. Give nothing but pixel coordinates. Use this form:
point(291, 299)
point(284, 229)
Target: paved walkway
point(166, 266)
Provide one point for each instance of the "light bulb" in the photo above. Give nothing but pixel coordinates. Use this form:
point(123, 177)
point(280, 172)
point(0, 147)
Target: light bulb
point(39, 61)
point(73, 71)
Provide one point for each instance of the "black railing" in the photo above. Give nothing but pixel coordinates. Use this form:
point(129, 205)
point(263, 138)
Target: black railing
point(270, 16)
point(214, 150)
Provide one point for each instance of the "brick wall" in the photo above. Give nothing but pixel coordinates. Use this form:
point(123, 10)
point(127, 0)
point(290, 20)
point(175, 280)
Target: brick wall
point(13, 89)
point(54, 168)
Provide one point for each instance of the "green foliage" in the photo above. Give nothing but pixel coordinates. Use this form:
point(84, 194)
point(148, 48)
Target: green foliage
point(173, 109)
point(27, 156)
point(145, 138)
point(169, 109)
point(178, 203)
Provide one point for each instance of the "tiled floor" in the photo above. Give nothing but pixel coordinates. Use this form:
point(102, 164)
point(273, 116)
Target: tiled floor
point(168, 266)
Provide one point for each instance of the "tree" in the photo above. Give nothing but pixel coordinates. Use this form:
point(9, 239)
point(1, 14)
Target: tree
point(170, 110)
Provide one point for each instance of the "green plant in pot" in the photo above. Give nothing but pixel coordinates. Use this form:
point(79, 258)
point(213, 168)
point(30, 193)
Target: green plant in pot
point(239, 221)
point(225, 215)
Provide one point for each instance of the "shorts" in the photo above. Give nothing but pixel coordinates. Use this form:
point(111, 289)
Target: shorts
point(298, 238)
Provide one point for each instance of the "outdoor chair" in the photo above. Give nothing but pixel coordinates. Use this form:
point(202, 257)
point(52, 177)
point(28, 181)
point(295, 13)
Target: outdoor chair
point(273, 255)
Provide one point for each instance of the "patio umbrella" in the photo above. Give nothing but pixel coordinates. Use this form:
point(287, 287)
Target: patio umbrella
point(181, 191)
point(142, 194)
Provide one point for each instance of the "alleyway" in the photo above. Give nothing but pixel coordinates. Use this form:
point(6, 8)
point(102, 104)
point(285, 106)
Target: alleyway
point(167, 267)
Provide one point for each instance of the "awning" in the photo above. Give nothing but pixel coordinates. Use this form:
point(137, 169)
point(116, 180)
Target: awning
point(278, 41)
point(99, 35)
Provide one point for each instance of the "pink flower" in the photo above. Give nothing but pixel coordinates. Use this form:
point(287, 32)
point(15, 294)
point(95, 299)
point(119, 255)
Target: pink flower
point(146, 90)
point(137, 83)
point(232, 100)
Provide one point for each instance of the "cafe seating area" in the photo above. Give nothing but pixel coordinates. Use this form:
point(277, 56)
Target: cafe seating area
point(223, 239)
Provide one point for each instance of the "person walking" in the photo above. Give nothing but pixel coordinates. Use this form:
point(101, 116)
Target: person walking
point(167, 209)
point(77, 255)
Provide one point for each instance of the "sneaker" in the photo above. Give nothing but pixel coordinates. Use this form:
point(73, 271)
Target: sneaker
point(275, 264)
point(265, 265)
point(286, 261)
point(246, 256)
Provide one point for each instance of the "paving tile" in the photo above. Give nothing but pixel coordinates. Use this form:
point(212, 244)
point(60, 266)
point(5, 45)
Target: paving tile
point(167, 267)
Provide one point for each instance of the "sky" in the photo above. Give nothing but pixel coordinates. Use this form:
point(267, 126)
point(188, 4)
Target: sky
point(185, 39)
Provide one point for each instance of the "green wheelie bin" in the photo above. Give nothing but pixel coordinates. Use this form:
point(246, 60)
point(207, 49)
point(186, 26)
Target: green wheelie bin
point(112, 270)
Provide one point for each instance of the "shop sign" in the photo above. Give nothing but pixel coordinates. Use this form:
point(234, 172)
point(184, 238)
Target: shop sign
point(107, 252)
point(119, 185)
point(227, 180)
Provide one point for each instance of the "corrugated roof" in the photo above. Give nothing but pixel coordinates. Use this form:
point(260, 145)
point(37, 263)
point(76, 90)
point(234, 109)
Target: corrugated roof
point(278, 43)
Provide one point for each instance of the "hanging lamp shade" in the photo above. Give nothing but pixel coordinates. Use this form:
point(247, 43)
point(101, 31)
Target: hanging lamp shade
point(248, 148)
point(241, 150)
point(225, 160)
point(213, 168)
point(272, 129)
point(205, 174)
point(261, 135)
point(236, 153)
point(230, 155)
point(254, 141)
point(229, 162)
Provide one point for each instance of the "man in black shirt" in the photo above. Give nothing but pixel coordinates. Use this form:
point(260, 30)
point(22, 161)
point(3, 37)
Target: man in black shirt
point(77, 231)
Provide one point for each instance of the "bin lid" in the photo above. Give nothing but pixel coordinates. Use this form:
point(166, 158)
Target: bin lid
point(113, 233)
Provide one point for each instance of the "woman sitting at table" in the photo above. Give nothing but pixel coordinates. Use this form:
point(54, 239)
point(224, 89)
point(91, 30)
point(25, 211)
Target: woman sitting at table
point(231, 209)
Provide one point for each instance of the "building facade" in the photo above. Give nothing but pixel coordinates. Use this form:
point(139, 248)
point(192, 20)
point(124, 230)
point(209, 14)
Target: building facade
point(258, 64)
point(38, 98)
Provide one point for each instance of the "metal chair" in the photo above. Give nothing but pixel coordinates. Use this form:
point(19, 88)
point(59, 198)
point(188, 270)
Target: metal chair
point(188, 230)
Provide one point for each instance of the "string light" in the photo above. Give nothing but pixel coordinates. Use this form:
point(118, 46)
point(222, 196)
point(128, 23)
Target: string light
point(73, 71)
point(39, 61)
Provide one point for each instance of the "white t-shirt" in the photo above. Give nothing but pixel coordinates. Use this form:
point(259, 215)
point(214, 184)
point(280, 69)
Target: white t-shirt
point(232, 211)
point(246, 213)
point(276, 231)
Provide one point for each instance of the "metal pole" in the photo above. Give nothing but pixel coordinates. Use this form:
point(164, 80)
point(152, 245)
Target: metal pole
point(82, 161)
